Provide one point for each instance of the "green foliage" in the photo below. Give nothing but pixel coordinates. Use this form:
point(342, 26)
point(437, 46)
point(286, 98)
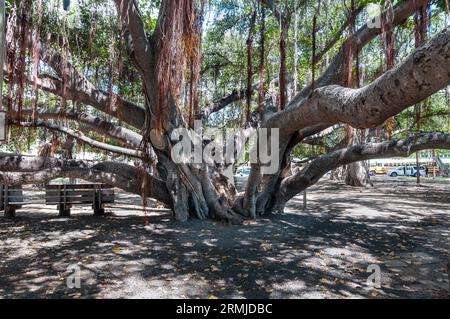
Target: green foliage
point(93, 33)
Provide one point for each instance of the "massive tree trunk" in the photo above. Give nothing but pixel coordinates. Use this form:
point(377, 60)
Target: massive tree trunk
point(198, 190)
point(203, 190)
point(356, 174)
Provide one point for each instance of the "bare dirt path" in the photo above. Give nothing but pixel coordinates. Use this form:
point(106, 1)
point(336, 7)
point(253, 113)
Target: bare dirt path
point(322, 252)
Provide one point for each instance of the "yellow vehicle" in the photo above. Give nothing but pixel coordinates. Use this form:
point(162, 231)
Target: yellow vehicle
point(378, 170)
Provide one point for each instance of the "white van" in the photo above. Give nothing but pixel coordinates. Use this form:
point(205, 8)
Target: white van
point(408, 171)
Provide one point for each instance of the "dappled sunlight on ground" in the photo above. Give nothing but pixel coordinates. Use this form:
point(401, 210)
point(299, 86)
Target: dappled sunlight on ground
point(322, 252)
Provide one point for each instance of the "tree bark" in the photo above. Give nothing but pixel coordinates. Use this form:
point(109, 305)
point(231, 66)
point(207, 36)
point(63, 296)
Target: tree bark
point(356, 175)
point(197, 190)
point(94, 123)
point(81, 137)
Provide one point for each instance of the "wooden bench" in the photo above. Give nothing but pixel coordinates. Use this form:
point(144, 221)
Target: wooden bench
point(11, 198)
point(67, 195)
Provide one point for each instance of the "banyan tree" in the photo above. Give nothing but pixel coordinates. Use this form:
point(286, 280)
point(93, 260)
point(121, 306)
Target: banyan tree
point(71, 80)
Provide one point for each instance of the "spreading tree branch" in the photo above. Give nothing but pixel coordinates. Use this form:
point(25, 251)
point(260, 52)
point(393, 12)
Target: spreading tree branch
point(409, 83)
point(312, 173)
point(333, 74)
point(81, 137)
point(94, 123)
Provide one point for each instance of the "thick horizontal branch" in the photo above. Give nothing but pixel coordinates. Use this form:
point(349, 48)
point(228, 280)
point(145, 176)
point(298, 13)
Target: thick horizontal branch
point(81, 137)
point(334, 73)
point(86, 93)
point(235, 96)
point(94, 123)
point(123, 176)
point(309, 125)
point(424, 72)
point(294, 184)
point(24, 163)
point(221, 103)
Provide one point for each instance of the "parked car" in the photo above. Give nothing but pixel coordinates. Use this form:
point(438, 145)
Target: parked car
point(408, 171)
point(243, 171)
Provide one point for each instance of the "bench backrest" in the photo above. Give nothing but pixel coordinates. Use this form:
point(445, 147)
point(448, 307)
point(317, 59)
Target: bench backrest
point(78, 194)
point(10, 195)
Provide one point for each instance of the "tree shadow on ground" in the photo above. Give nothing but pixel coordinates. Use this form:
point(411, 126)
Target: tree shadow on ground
point(322, 252)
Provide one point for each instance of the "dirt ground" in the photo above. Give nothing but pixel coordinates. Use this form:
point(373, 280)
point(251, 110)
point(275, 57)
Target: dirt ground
point(321, 252)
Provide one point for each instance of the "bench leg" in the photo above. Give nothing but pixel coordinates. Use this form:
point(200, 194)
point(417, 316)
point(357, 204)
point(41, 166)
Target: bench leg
point(98, 210)
point(10, 211)
point(64, 212)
